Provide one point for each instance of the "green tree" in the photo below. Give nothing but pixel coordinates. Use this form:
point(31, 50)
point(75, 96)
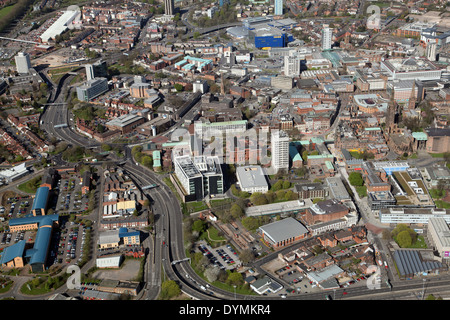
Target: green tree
point(199, 226)
point(169, 289)
point(236, 211)
point(404, 239)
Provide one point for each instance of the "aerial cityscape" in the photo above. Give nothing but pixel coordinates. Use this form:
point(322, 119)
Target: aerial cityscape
point(200, 150)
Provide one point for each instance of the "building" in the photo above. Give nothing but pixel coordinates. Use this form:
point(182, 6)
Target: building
point(413, 215)
point(266, 36)
point(169, 7)
point(23, 63)
point(60, 25)
point(14, 173)
point(86, 182)
point(280, 150)
point(118, 237)
point(283, 232)
point(265, 285)
point(292, 64)
point(411, 263)
point(36, 256)
point(198, 176)
point(438, 140)
point(92, 89)
point(252, 179)
point(40, 202)
point(125, 123)
point(310, 190)
point(325, 211)
point(412, 68)
point(327, 37)
point(96, 70)
point(278, 10)
point(109, 261)
point(439, 235)
point(281, 208)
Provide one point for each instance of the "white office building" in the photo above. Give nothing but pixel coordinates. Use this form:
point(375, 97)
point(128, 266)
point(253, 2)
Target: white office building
point(327, 34)
point(23, 63)
point(280, 150)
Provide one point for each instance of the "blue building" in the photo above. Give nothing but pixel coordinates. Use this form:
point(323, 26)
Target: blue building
point(40, 202)
point(36, 256)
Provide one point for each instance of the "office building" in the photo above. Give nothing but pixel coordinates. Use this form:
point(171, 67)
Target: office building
point(92, 89)
point(278, 10)
point(280, 150)
point(169, 7)
point(199, 176)
point(412, 68)
point(96, 70)
point(327, 34)
point(23, 63)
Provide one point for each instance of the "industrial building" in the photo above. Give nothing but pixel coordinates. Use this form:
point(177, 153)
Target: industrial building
point(60, 25)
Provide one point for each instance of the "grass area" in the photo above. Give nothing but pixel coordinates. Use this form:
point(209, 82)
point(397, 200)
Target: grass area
point(30, 186)
point(4, 11)
point(362, 191)
point(442, 204)
point(196, 206)
point(436, 155)
point(420, 243)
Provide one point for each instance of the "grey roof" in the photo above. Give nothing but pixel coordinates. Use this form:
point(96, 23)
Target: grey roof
point(251, 176)
point(284, 229)
point(410, 262)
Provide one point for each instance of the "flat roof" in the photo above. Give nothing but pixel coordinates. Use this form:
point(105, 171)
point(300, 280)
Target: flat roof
point(277, 208)
point(283, 229)
point(251, 176)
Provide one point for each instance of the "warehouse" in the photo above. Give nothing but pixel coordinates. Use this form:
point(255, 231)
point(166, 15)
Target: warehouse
point(412, 263)
point(283, 233)
point(109, 261)
point(265, 36)
point(125, 123)
point(60, 25)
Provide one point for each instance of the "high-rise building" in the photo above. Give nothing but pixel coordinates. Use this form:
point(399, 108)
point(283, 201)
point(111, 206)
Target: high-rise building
point(278, 10)
point(169, 7)
point(292, 65)
point(96, 70)
point(327, 34)
point(23, 63)
point(431, 51)
point(280, 150)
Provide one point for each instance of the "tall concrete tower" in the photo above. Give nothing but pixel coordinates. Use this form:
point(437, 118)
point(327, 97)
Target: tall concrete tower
point(431, 51)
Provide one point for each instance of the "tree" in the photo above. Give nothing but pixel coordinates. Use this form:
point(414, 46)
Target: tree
point(236, 211)
point(404, 239)
point(355, 179)
point(199, 226)
point(169, 289)
point(179, 87)
point(235, 278)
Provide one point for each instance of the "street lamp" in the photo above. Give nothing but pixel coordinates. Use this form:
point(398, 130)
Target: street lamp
point(234, 292)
